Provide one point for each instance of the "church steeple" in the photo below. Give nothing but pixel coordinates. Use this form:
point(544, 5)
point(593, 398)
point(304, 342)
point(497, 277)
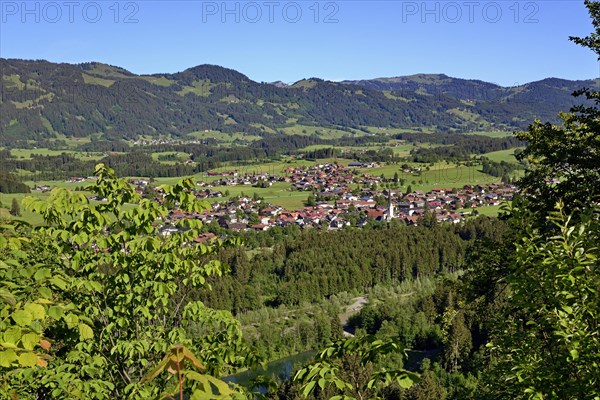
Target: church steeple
point(390, 206)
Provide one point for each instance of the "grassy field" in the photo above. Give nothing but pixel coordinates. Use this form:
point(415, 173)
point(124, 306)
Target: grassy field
point(490, 211)
point(25, 154)
point(223, 138)
point(503, 155)
point(74, 142)
point(439, 175)
point(160, 81)
point(278, 194)
point(395, 131)
point(27, 216)
point(32, 218)
point(199, 88)
point(94, 80)
point(402, 149)
point(65, 184)
point(325, 133)
point(491, 133)
point(179, 157)
point(399, 148)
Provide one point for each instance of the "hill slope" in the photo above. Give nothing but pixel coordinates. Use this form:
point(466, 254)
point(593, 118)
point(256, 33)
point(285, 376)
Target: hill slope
point(41, 100)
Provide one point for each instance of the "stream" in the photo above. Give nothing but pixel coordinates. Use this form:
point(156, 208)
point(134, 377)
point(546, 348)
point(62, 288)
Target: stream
point(283, 367)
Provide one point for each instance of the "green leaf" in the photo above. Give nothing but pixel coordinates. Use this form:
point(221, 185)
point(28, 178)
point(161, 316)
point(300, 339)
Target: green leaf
point(59, 283)
point(36, 310)
point(72, 320)
point(45, 292)
point(221, 386)
point(12, 335)
point(7, 357)
point(405, 382)
point(308, 388)
point(322, 383)
point(28, 359)
point(85, 332)
point(55, 312)
point(574, 354)
point(29, 340)
point(22, 317)
point(42, 273)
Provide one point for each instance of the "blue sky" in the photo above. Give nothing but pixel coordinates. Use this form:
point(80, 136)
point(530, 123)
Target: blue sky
point(505, 42)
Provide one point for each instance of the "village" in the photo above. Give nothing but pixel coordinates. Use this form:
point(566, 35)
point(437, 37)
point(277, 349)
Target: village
point(337, 197)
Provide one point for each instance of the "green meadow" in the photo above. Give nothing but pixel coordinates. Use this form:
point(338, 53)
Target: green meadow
point(489, 211)
point(27, 216)
point(223, 138)
point(490, 133)
point(395, 131)
point(279, 193)
point(324, 133)
point(439, 175)
point(503, 155)
point(27, 153)
point(179, 156)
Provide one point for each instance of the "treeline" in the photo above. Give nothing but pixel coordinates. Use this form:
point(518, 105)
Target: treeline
point(327, 152)
point(48, 143)
point(142, 164)
point(370, 155)
point(282, 142)
point(9, 183)
point(104, 146)
point(456, 147)
point(44, 167)
point(473, 142)
point(292, 266)
point(499, 169)
point(64, 166)
point(452, 147)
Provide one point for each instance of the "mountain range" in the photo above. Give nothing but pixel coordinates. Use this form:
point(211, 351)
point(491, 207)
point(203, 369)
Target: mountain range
point(41, 100)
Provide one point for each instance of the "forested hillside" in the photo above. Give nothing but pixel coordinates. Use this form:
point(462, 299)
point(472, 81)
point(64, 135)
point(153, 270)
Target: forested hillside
point(41, 100)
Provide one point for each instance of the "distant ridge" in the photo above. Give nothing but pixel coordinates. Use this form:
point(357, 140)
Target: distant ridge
point(468, 89)
point(279, 84)
point(41, 100)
